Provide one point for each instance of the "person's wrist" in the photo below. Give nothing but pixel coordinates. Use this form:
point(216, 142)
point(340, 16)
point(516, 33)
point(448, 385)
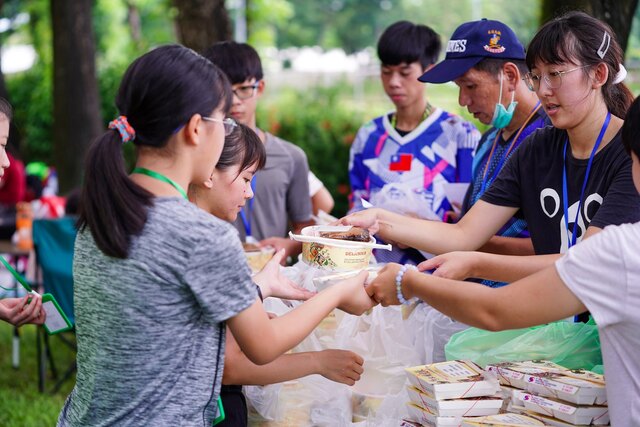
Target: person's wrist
point(400, 278)
point(475, 266)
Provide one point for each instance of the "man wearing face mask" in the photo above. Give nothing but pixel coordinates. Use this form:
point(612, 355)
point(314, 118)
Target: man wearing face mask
point(486, 61)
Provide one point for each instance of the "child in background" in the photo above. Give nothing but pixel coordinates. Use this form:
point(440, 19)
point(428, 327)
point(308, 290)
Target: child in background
point(28, 309)
point(281, 188)
point(242, 156)
point(402, 160)
point(156, 279)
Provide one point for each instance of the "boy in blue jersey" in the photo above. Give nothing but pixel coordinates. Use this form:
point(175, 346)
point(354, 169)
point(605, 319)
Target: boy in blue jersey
point(403, 160)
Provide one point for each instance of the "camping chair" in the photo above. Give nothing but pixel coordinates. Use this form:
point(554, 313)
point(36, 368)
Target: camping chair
point(53, 243)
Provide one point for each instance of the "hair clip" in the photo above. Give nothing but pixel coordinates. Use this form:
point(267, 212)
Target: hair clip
point(606, 40)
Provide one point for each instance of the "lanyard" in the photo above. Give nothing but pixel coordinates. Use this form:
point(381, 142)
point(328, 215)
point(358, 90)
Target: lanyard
point(160, 177)
point(565, 197)
point(485, 181)
point(15, 274)
point(246, 217)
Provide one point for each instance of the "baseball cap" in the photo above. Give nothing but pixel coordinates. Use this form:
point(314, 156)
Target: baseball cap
point(470, 43)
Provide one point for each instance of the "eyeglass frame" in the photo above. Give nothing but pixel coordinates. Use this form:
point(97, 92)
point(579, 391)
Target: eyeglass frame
point(253, 86)
point(228, 123)
point(529, 82)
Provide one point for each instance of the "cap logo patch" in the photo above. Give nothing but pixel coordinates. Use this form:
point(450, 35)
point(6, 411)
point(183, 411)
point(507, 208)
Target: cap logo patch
point(494, 42)
point(457, 46)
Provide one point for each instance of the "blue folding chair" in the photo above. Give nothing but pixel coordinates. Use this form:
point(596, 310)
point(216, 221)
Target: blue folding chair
point(53, 241)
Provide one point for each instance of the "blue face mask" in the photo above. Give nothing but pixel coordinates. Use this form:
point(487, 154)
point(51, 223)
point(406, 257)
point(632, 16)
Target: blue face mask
point(502, 116)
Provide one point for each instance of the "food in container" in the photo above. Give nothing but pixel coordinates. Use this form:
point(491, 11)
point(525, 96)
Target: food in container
point(354, 234)
point(565, 411)
point(472, 407)
point(549, 379)
point(452, 380)
point(501, 420)
point(335, 254)
point(427, 418)
point(257, 256)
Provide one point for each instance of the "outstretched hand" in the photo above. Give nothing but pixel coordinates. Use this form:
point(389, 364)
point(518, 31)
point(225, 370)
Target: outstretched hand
point(19, 311)
point(457, 265)
point(367, 218)
point(383, 288)
point(275, 284)
point(341, 366)
point(354, 298)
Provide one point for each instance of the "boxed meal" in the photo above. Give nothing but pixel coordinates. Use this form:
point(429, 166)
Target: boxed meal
point(565, 411)
point(337, 247)
point(427, 418)
point(548, 379)
point(550, 421)
point(473, 406)
point(452, 380)
point(501, 420)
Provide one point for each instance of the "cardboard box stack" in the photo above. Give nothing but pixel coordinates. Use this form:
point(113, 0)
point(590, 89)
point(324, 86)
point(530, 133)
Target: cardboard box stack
point(554, 394)
point(443, 393)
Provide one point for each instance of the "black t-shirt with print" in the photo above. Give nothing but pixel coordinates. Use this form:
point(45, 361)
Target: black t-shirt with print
point(532, 181)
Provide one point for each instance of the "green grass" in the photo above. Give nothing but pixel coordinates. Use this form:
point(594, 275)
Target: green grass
point(21, 404)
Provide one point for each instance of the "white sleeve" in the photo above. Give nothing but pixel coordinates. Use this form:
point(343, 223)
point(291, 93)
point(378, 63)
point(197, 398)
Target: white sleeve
point(595, 271)
point(314, 184)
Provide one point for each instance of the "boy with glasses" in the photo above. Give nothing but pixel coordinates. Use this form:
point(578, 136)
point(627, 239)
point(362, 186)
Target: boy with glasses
point(403, 160)
point(282, 188)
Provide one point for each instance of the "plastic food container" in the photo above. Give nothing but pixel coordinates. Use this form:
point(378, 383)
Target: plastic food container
point(334, 254)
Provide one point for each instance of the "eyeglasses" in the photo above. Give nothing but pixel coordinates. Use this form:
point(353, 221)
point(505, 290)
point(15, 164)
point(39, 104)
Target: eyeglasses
point(553, 79)
point(229, 123)
point(247, 91)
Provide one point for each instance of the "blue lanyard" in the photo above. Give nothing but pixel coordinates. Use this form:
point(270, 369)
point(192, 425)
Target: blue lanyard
point(571, 241)
point(246, 218)
point(487, 181)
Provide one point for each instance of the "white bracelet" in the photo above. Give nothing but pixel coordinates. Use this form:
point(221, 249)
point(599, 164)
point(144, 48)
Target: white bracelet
point(399, 277)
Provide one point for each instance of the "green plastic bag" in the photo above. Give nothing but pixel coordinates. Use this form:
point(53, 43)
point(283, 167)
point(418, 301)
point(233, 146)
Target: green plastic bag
point(573, 345)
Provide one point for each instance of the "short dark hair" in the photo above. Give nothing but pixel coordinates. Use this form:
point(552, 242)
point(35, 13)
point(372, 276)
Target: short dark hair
point(631, 129)
point(239, 61)
point(576, 36)
point(242, 147)
point(494, 65)
point(158, 94)
point(406, 42)
point(5, 108)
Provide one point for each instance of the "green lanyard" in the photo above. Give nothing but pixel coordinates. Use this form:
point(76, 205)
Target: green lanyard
point(15, 274)
point(160, 177)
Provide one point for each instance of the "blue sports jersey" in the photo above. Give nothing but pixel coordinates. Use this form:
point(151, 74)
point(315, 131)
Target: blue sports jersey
point(406, 174)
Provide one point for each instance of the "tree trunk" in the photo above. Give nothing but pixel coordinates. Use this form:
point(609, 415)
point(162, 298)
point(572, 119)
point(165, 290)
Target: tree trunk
point(201, 23)
point(76, 104)
point(617, 13)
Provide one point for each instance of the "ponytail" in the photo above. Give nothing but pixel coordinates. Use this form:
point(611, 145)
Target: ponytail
point(618, 98)
point(111, 205)
point(159, 93)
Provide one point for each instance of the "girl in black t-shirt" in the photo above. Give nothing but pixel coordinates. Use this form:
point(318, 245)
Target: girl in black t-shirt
point(568, 182)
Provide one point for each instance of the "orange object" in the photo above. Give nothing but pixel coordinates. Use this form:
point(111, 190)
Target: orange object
point(24, 225)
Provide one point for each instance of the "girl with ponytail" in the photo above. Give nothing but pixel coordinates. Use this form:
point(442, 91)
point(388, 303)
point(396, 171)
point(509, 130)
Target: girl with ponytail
point(156, 278)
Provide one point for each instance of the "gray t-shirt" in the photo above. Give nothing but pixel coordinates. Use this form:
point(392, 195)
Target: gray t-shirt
point(150, 328)
point(281, 192)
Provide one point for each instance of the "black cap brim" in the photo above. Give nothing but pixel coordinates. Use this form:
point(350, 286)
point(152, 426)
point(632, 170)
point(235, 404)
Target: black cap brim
point(449, 69)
